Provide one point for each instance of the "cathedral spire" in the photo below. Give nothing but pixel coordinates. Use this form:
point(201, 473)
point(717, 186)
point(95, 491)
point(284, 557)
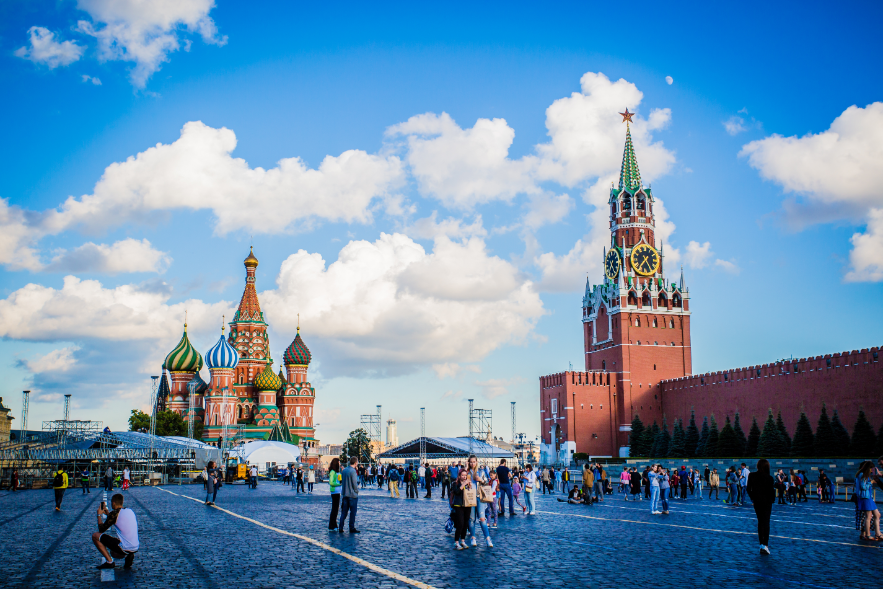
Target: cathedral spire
point(629, 174)
point(249, 307)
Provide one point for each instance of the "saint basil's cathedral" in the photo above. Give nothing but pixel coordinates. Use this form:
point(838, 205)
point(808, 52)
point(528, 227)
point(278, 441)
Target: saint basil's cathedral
point(243, 389)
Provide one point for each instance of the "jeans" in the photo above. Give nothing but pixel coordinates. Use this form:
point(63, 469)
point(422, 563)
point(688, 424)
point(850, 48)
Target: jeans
point(108, 484)
point(477, 515)
point(599, 489)
point(654, 499)
point(505, 490)
point(699, 490)
point(215, 493)
point(743, 498)
point(335, 507)
point(348, 505)
point(86, 486)
point(565, 486)
point(394, 488)
point(446, 487)
point(528, 498)
point(684, 491)
point(734, 494)
point(714, 489)
point(59, 495)
point(663, 500)
point(310, 485)
point(763, 512)
point(208, 496)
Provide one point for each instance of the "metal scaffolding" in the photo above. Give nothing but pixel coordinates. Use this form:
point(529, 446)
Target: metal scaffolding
point(481, 429)
point(423, 435)
point(513, 422)
point(371, 423)
point(25, 395)
point(67, 407)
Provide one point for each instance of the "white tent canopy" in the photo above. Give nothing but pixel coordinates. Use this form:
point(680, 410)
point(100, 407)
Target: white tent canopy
point(263, 452)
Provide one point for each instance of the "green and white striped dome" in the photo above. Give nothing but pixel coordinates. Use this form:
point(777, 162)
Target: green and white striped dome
point(184, 358)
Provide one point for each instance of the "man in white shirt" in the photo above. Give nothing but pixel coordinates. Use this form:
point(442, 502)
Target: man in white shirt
point(126, 474)
point(743, 482)
point(530, 487)
point(125, 544)
point(253, 476)
point(421, 474)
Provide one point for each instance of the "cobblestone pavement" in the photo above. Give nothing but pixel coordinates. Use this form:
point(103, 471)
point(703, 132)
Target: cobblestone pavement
point(280, 538)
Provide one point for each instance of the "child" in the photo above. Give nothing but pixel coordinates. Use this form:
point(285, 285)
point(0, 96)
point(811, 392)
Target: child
point(490, 511)
point(516, 491)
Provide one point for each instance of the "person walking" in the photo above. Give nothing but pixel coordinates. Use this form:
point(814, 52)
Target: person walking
point(253, 476)
point(334, 480)
point(211, 482)
point(600, 480)
point(565, 480)
point(126, 475)
point(664, 487)
point(59, 484)
point(477, 480)
point(490, 510)
point(427, 481)
point(559, 480)
point(392, 475)
point(530, 486)
point(108, 479)
point(684, 480)
point(635, 481)
point(349, 502)
point(505, 487)
point(864, 481)
point(624, 482)
point(461, 512)
point(697, 483)
point(714, 482)
point(761, 490)
point(84, 480)
point(546, 477)
point(781, 485)
point(445, 476)
point(311, 479)
point(743, 482)
point(653, 477)
point(14, 480)
point(516, 493)
point(732, 483)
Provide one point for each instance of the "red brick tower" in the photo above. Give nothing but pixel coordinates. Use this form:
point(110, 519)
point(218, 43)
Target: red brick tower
point(636, 324)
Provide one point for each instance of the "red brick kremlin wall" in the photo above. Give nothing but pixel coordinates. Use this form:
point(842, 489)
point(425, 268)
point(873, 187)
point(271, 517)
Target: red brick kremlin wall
point(587, 413)
point(848, 381)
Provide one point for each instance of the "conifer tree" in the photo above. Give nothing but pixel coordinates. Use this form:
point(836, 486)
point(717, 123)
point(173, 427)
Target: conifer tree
point(842, 436)
point(740, 436)
point(657, 451)
point(863, 440)
point(703, 438)
point(711, 442)
point(803, 443)
point(664, 442)
point(770, 443)
point(677, 449)
point(753, 439)
point(635, 436)
point(825, 441)
point(727, 444)
point(878, 450)
point(646, 442)
point(691, 438)
point(783, 435)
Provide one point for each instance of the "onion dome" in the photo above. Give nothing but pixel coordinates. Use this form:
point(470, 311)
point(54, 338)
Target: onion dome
point(267, 379)
point(222, 355)
point(298, 353)
point(184, 358)
point(282, 376)
point(251, 261)
point(197, 386)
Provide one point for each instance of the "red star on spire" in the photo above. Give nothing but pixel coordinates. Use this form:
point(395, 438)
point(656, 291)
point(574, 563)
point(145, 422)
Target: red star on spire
point(627, 116)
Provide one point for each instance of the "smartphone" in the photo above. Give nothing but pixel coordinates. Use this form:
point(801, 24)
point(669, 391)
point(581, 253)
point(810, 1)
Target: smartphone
point(103, 506)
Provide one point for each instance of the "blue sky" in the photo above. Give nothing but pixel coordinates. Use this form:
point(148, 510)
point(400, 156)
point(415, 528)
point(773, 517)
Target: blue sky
point(434, 214)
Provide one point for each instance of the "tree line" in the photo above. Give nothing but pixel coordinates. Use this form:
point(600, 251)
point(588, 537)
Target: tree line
point(829, 439)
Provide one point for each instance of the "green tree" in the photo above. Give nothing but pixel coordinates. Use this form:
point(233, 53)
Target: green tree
point(841, 435)
point(803, 444)
point(691, 439)
point(703, 438)
point(727, 443)
point(863, 440)
point(783, 435)
point(357, 444)
point(168, 423)
point(878, 450)
point(825, 441)
point(770, 443)
point(635, 436)
point(740, 436)
point(661, 440)
point(678, 447)
point(712, 441)
point(753, 439)
point(647, 439)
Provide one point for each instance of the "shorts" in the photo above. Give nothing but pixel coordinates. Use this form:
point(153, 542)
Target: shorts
point(113, 546)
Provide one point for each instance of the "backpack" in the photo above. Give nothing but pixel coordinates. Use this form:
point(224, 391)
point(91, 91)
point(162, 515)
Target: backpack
point(58, 481)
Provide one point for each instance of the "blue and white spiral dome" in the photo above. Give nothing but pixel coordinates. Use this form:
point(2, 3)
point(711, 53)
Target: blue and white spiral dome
point(222, 355)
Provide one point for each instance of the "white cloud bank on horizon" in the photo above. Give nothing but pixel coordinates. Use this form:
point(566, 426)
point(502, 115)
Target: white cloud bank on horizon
point(837, 175)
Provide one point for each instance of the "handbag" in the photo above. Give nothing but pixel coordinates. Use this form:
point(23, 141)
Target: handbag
point(487, 493)
point(469, 499)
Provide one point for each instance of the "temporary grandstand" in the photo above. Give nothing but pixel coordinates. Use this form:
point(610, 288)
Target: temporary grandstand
point(440, 450)
point(75, 445)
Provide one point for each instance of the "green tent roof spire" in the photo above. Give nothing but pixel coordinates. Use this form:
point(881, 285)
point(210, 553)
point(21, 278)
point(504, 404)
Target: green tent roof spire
point(629, 174)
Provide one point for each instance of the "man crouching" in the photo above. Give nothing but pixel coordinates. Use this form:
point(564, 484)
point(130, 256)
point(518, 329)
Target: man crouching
point(125, 544)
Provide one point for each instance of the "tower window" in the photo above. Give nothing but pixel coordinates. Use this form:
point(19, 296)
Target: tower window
point(654, 367)
point(671, 324)
point(655, 324)
point(672, 343)
point(637, 322)
point(603, 364)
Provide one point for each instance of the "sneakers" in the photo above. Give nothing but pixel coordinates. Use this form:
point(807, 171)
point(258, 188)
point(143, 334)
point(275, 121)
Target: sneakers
point(474, 542)
point(655, 513)
point(106, 565)
point(665, 512)
point(354, 531)
point(489, 543)
point(764, 550)
point(457, 546)
point(130, 558)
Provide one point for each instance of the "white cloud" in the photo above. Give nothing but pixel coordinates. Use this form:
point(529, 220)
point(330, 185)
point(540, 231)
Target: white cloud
point(698, 255)
point(727, 266)
point(128, 255)
point(836, 173)
point(17, 239)
point(866, 257)
point(496, 387)
point(389, 306)
point(735, 125)
point(146, 32)
point(430, 228)
point(546, 208)
point(94, 81)
point(463, 167)
point(452, 395)
point(60, 360)
point(669, 80)
point(452, 369)
point(45, 50)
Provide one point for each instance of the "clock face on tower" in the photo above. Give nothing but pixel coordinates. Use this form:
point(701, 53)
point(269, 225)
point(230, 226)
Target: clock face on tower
point(611, 264)
point(645, 259)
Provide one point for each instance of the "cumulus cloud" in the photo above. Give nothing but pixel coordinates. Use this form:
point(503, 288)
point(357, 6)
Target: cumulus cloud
point(546, 209)
point(669, 80)
point(727, 266)
point(431, 228)
point(145, 33)
point(866, 257)
point(496, 387)
point(60, 360)
point(128, 255)
point(698, 255)
point(45, 50)
point(463, 167)
point(835, 174)
point(94, 81)
point(735, 125)
point(452, 369)
point(452, 395)
point(390, 307)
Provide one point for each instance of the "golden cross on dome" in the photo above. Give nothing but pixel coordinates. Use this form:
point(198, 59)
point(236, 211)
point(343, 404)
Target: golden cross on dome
point(627, 116)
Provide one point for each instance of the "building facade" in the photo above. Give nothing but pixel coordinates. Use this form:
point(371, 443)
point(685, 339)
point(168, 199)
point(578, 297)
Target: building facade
point(636, 332)
point(243, 389)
